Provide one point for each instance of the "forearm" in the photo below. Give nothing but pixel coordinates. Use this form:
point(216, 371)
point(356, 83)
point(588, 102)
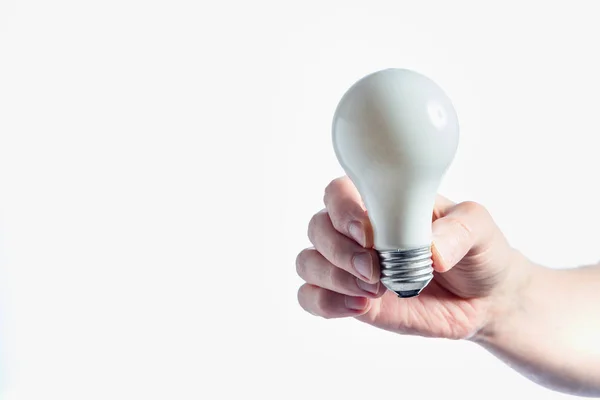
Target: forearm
point(548, 327)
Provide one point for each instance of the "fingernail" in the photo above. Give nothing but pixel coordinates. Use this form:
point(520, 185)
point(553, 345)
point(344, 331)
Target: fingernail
point(356, 303)
point(368, 287)
point(441, 246)
point(363, 263)
point(442, 250)
point(357, 232)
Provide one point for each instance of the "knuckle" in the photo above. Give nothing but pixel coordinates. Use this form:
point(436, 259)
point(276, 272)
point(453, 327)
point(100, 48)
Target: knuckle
point(316, 223)
point(302, 260)
point(473, 207)
point(302, 297)
point(300, 263)
point(314, 300)
point(460, 227)
point(332, 189)
point(476, 211)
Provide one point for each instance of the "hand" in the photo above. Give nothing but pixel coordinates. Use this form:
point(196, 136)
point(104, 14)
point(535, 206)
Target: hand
point(473, 269)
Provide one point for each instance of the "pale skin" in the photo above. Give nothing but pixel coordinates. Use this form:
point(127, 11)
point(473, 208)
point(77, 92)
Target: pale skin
point(545, 323)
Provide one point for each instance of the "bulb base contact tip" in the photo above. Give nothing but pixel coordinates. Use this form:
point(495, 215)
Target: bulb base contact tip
point(406, 272)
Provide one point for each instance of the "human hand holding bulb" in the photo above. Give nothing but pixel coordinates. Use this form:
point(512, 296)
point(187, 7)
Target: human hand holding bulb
point(395, 133)
point(472, 260)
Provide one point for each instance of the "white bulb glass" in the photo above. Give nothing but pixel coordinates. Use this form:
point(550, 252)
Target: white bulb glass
point(395, 133)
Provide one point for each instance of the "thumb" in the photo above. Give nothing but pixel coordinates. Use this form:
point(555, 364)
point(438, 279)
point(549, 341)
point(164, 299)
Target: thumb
point(465, 227)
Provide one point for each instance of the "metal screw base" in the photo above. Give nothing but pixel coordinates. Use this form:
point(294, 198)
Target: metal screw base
point(406, 272)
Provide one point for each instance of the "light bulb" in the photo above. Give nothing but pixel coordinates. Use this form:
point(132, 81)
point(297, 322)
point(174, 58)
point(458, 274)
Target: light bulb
point(395, 133)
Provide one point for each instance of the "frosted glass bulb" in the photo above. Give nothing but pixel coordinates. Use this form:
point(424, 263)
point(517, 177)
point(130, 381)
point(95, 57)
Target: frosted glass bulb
point(395, 133)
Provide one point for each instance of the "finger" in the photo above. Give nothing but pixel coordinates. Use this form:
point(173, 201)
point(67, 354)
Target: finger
point(465, 227)
point(347, 211)
point(312, 267)
point(328, 304)
point(341, 251)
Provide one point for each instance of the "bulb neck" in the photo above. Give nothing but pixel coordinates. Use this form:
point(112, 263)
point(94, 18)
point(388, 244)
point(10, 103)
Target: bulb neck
point(406, 272)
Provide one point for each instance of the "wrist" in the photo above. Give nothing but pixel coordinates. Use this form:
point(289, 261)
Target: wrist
point(507, 302)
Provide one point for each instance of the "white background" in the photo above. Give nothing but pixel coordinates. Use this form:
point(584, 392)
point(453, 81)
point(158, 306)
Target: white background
point(160, 160)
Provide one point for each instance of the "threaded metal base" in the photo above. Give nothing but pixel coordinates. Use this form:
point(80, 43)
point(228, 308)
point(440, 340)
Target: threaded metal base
point(406, 272)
